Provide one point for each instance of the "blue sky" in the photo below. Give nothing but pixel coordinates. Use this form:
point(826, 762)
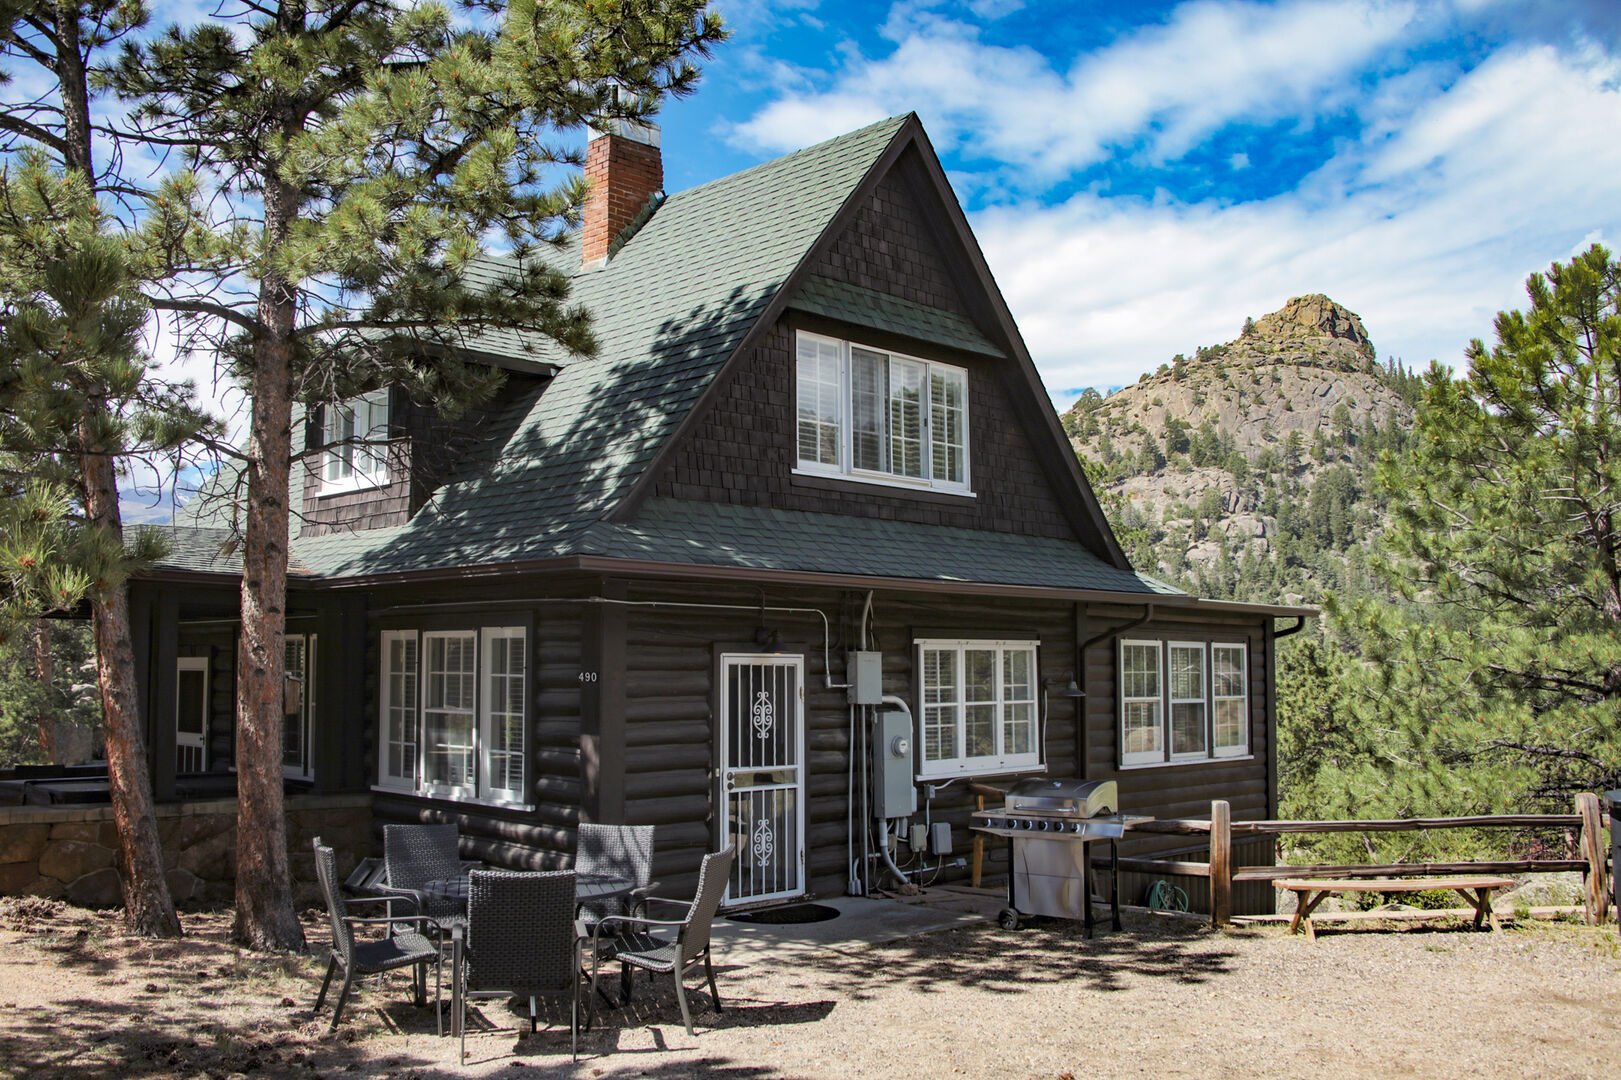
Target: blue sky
point(1144, 176)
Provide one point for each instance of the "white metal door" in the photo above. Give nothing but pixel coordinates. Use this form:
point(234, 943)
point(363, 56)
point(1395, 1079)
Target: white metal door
point(191, 714)
point(762, 756)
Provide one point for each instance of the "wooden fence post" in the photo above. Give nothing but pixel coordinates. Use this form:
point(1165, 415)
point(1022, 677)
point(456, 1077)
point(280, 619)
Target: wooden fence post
point(1221, 863)
point(1597, 886)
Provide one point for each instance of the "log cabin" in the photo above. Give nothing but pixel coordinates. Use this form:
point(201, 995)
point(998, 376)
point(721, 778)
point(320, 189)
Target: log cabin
point(810, 479)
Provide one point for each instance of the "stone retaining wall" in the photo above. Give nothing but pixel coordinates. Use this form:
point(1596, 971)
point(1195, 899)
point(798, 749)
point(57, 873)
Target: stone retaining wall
point(71, 852)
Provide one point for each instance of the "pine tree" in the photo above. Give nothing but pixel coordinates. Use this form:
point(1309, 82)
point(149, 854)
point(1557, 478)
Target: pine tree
point(76, 399)
point(1507, 537)
point(369, 149)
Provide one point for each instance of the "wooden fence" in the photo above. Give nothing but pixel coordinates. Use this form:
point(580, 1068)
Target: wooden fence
point(1589, 817)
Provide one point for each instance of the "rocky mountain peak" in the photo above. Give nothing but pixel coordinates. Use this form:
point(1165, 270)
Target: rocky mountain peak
point(1314, 319)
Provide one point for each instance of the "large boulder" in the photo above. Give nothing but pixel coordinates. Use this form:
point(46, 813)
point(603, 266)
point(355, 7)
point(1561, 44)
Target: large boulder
point(23, 843)
point(100, 889)
point(69, 860)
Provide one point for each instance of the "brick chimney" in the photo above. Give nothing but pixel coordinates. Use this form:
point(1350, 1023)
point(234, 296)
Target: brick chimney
point(624, 168)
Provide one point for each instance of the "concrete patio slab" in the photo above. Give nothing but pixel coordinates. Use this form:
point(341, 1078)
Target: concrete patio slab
point(861, 922)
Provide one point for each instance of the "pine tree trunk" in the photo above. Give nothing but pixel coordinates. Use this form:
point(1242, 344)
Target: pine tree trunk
point(149, 909)
point(46, 718)
point(265, 918)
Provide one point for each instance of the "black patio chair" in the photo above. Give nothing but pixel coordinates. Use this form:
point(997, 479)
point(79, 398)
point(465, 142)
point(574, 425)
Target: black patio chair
point(407, 944)
point(413, 856)
point(520, 939)
point(624, 851)
point(630, 941)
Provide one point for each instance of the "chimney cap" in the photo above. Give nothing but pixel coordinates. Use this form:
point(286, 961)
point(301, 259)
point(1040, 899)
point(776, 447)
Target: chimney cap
point(642, 131)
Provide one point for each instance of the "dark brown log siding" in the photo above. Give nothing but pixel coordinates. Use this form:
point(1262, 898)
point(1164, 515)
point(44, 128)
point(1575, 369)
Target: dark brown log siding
point(540, 838)
point(670, 717)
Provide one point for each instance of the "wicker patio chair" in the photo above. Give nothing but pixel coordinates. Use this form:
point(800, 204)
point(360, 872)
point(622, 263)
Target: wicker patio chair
point(406, 946)
point(521, 939)
point(630, 941)
point(413, 856)
point(624, 851)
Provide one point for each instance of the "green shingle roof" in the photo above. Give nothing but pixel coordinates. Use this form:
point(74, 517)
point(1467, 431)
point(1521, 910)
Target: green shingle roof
point(668, 310)
point(867, 307)
point(724, 535)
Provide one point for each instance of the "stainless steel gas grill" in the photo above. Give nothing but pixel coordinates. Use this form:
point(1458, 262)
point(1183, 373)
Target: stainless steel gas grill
point(1050, 825)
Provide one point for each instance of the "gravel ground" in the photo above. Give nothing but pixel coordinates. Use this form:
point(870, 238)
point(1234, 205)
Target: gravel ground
point(1166, 998)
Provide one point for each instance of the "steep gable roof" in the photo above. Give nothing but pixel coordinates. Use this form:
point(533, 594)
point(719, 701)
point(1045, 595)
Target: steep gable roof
point(713, 267)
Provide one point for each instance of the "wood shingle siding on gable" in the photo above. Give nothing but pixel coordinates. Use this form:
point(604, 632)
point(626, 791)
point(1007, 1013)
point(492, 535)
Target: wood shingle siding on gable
point(744, 449)
point(890, 248)
point(744, 452)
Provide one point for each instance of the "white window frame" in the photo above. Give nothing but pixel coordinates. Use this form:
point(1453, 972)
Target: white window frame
point(469, 789)
point(355, 460)
point(1163, 756)
point(1156, 755)
point(187, 740)
point(481, 787)
point(1242, 748)
point(1172, 701)
point(1000, 761)
point(386, 705)
point(489, 714)
point(843, 468)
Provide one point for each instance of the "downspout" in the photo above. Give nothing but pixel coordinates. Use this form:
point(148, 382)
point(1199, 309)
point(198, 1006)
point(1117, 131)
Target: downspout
point(1300, 624)
point(1148, 613)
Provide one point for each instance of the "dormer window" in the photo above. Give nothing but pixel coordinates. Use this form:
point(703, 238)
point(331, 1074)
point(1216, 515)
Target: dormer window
point(355, 434)
point(879, 416)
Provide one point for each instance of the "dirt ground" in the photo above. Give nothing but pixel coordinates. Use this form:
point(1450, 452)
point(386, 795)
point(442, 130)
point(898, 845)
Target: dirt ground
point(1166, 998)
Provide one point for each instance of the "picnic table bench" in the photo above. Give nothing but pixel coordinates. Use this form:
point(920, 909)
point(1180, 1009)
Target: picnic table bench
point(1309, 892)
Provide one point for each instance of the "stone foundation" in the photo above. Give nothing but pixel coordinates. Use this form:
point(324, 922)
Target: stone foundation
point(71, 852)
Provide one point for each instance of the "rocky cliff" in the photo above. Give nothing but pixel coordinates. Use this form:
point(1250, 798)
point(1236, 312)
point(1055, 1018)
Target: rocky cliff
point(1265, 441)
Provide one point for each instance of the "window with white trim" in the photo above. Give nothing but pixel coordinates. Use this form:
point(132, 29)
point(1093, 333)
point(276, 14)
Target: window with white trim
point(397, 746)
point(355, 434)
point(453, 714)
point(1229, 696)
point(979, 707)
point(874, 415)
point(1183, 701)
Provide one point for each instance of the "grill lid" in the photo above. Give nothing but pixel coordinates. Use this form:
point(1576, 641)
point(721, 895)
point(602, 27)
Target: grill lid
point(1054, 795)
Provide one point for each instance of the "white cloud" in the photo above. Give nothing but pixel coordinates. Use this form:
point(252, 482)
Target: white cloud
point(1426, 233)
point(1156, 91)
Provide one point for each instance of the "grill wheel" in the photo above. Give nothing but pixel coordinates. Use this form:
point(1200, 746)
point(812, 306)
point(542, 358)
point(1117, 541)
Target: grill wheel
point(1008, 919)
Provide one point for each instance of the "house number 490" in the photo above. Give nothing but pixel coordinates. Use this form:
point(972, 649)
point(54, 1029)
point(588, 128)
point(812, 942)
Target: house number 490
point(588, 676)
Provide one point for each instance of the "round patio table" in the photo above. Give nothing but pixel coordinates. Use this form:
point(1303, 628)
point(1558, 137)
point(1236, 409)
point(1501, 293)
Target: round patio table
point(587, 887)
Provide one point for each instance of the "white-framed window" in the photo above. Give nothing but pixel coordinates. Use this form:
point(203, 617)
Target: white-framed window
point(1142, 729)
point(878, 416)
point(453, 713)
point(1229, 697)
point(1190, 733)
point(355, 434)
point(449, 679)
point(397, 691)
point(501, 714)
point(979, 707)
point(1183, 701)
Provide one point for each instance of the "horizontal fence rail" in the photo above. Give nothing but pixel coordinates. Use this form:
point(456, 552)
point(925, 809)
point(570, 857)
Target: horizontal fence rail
point(1590, 818)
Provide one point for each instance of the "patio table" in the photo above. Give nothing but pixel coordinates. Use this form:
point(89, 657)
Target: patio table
point(586, 887)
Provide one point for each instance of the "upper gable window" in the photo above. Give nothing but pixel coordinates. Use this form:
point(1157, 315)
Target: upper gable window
point(355, 433)
point(879, 416)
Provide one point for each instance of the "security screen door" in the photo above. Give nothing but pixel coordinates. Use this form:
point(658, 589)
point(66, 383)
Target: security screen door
point(762, 774)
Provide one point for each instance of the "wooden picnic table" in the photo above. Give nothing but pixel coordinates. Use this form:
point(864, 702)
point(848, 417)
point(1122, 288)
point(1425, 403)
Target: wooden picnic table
point(1309, 892)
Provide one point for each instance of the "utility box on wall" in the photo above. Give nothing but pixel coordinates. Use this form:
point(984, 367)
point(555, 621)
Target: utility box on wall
point(864, 671)
point(893, 791)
